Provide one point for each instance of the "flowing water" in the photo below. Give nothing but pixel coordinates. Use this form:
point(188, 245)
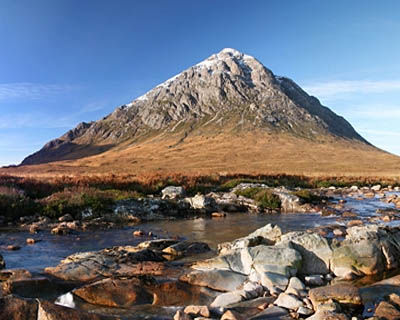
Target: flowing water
point(51, 248)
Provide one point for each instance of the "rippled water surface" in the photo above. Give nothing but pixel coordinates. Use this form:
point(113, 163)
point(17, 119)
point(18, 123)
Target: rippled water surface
point(51, 249)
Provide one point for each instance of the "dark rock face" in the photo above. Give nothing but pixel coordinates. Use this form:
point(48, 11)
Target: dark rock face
point(229, 89)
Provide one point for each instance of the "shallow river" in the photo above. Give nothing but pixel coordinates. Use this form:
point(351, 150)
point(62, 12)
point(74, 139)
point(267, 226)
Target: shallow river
point(51, 249)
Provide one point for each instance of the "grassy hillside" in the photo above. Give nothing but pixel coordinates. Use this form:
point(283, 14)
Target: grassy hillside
point(251, 153)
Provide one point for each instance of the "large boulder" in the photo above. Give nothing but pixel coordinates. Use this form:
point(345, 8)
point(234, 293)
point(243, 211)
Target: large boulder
point(272, 266)
point(267, 235)
point(315, 250)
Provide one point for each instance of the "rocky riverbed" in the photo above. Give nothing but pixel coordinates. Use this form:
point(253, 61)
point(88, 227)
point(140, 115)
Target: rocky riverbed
point(335, 259)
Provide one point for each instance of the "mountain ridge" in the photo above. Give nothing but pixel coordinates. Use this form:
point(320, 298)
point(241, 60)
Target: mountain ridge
point(229, 89)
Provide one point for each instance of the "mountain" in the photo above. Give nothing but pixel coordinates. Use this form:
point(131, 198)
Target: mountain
point(230, 94)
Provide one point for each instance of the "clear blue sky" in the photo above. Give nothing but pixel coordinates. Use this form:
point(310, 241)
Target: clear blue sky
point(67, 61)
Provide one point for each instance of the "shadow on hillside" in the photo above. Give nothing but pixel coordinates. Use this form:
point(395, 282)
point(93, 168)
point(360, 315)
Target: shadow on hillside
point(65, 151)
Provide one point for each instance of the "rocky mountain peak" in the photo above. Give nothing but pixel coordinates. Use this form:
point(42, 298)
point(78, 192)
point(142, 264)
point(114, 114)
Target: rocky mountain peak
point(229, 89)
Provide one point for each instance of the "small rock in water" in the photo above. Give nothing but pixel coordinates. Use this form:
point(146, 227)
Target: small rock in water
point(218, 215)
point(13, 247)
point(30, 241)
point(138, 233)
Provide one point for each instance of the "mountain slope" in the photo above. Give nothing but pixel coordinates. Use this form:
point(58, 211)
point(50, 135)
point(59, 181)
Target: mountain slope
point(230, 94)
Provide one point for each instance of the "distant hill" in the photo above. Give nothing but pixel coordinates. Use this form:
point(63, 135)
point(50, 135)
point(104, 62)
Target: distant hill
point(223, 110)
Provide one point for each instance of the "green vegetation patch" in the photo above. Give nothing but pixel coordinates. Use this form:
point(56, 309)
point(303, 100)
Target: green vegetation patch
point(264, 198)
point(307, 196)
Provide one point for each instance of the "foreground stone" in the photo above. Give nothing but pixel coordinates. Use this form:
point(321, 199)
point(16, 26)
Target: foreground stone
point(342, 293)
point(387, 311)
point(148, 258)
point(115, 293)
point(15, 308)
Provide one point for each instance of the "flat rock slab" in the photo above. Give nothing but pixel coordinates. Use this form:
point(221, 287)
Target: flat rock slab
point(115, 293)
point(221, 280)
point(342, 293)
point(50, 311)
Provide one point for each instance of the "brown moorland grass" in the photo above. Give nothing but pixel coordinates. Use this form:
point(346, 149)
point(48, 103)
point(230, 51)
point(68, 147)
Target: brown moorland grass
point(247, 153)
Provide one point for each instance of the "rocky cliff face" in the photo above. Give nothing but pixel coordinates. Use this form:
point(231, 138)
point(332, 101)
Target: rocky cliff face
point(229, 89)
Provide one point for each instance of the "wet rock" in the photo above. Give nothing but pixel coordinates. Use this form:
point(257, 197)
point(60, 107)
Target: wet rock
point(288, 301)
point(267, 235)
point(50, 311)
point(115, 293)
point(15, 308)
point(138, 233)
point(186, 248)
point(342, 293)
point(218, 215)
point(13, 247)
point(2, 262)
point(61, 230)
point(30, 241)
point(315, 250)
point(202, 311)
point(172, 192)
point(387, 311)
point(221, 280)
point(158, 244)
